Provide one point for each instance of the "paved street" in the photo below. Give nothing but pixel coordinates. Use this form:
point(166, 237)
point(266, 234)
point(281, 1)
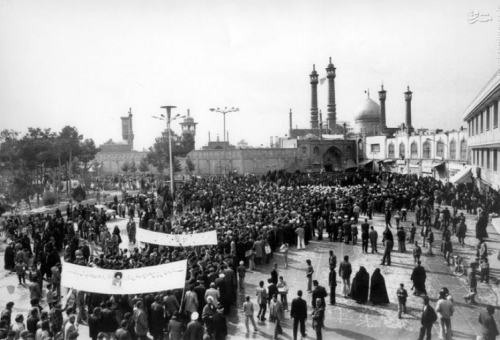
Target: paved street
point(347, 320)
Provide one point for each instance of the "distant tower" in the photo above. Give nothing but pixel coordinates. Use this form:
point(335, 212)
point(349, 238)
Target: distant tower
point(408, 96)
point(189, 125)
point(382, 96)
point(314, 98)
point(331, 107)
point(291, 129)
point(127, 129)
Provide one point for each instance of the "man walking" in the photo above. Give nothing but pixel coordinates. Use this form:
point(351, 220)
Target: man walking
point(402, 296)
point(248, 310)
point(345, 271)
point(373, 239)
point(365, 236)
point(489, 328)
point(444, 309)
point(388, 244)
point(278, 312)
point(427, 319)
point(299, 315)
point(332, 283)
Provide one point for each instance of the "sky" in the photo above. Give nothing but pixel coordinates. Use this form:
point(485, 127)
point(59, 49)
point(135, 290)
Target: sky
point(85, 63)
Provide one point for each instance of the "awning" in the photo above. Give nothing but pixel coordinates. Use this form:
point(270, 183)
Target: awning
point(401, 162)
point(436, 164)
point(367, 162)
point(389, 160)
point(463, 176)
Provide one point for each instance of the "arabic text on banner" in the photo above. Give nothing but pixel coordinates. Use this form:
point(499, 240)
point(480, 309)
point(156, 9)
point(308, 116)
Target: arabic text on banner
point(176, 240)
point(126, 281)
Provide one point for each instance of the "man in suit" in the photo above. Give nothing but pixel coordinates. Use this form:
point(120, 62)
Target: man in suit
point(299, 315)
point(332, 282)
point(345, 271)
point(274, 274)
point(427, 319)
point(319, 292)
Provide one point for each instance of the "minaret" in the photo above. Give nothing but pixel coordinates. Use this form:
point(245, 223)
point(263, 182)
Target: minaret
point(291, 129)
point(381, 96)
point(188, 125)
point(331, 107)
point(314, 98)
point(408, 96)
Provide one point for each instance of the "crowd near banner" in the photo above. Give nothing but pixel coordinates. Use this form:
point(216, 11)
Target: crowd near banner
point(126, 281)
point(176, 240)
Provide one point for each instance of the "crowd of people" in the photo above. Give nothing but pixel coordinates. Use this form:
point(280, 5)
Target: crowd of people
point(255, 217)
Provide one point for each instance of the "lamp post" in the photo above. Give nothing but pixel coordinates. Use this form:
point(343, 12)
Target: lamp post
point(169, 119)
point(320, 142)
point(224, 111)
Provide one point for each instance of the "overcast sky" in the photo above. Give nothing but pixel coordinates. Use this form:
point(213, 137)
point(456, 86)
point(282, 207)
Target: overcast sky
point(85, 63)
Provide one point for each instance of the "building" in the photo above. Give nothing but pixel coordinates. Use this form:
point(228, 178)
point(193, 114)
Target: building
point(481, 117)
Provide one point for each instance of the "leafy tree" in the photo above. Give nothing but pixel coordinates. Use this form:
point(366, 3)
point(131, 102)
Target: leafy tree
point(125, 167)
point(189, 165)
point(79, 194)
point(49, 198)
point(156, 157)
point(177, 165)
point(186, 145)
point(3, 209)
point(9, 146)
point(143, 165)
point(21, 187)
point(88, 150)
point(132, 167)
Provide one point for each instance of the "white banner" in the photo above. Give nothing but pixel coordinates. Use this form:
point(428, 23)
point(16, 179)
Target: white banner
point(127, 281)
point(177, 240)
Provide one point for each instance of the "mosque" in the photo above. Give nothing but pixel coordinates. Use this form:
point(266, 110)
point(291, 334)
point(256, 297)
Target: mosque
point(331, 145)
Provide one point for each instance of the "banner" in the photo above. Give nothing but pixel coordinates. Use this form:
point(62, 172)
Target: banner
point(177, 240)
point(126, 281)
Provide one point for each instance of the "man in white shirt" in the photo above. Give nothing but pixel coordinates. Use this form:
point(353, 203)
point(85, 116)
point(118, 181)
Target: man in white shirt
point(445, 310)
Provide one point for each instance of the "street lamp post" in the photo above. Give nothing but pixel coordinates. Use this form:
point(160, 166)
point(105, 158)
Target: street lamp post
point(224, 111)
point(169, 119)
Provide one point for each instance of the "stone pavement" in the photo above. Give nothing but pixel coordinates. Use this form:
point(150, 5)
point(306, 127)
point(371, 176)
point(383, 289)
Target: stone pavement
point(348, 320)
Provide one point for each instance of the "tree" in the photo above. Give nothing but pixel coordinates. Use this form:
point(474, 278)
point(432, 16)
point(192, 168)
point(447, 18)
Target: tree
point(9, 146)
point(187, 144)
point(125, 167)
point(21, 187)
point(88, 150)
point(49, 198)
point(189, 166)
point(143, 165)
point(79, 194)
point(132, 167)
point(177, 165)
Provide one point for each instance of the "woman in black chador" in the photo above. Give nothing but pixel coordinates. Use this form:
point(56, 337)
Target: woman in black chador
point(360, 286)
point(378, 291)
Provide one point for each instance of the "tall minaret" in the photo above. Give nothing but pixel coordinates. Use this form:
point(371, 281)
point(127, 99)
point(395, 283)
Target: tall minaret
point(331, 107)
point(314, 98)
point(291, 129)
point(408, 96)
point(381, 97)
point(130, 130)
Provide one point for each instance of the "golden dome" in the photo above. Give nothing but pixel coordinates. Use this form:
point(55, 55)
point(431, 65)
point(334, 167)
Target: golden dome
point(369, 111)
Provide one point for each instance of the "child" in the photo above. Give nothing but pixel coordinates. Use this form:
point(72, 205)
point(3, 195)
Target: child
point(50, 296)
point(20, 270)
point(402, 296)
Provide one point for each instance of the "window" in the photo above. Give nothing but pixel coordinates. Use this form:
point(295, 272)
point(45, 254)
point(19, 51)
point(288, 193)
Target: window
point(348, 152)
point(426, 150)
point(375, 147)
point(402, 151)
point(482, 122)
point(477, 125)
point(391, 151)
point(414, 150)
point(470, 131)
point(463, 150)
point(482, 158)
point(453, 149)
point(495, 160)
point(488, 159)
point(440, 149)
point(488, 118)
point(316, 151)
point(495, 115)
point(304, 150)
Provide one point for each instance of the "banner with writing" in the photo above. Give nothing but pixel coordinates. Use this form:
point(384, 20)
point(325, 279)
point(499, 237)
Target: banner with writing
point(177, 240)
point(126, 281)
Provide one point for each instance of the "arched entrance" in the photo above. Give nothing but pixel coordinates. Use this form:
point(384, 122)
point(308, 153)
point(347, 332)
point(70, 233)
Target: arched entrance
point(332, 159)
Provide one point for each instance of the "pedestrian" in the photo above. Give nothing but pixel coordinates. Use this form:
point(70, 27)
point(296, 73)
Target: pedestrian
point(485, 270)
point(489, 328)
point(284, 249)
point(319, 292)
point(401, 235)
point(402, 295)
point(373, 239)
point(360, 286)
point(194, 329)
point(283, 291)
point(471, 277)
point(274, 274)
point(278, 313)
point(299, 315)
point(332, 283)
point(309, 274)
point(241, 274)
point(418, 276)
point(261, 301)
point(417, 252)
point(427, 319)
point(430, 240)
point(444, 309)
point(318, 317)
point(175, 327)
point(365, 227)
point(220, 324)
point(248, 310)
point(345, 271)
point(122, 333)
point(413, 231)
point(95, 323)
point(461, 232)
point(388, 244)
point(300, 237)
point(447, 249)
point(354, 232)
point(141, 321)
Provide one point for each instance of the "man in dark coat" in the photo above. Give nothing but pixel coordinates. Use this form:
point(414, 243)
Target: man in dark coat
point(319, 292)
point(299, 315)
point(157, 318)
point(427, 319)
point(418, 276)
point(489, 328)
point(95, 323)
point(274, 274)
point(388, 241)
point(225, 298)
point(481, 225)
point(332, 283)
point(194, 329)
point(220, 324)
